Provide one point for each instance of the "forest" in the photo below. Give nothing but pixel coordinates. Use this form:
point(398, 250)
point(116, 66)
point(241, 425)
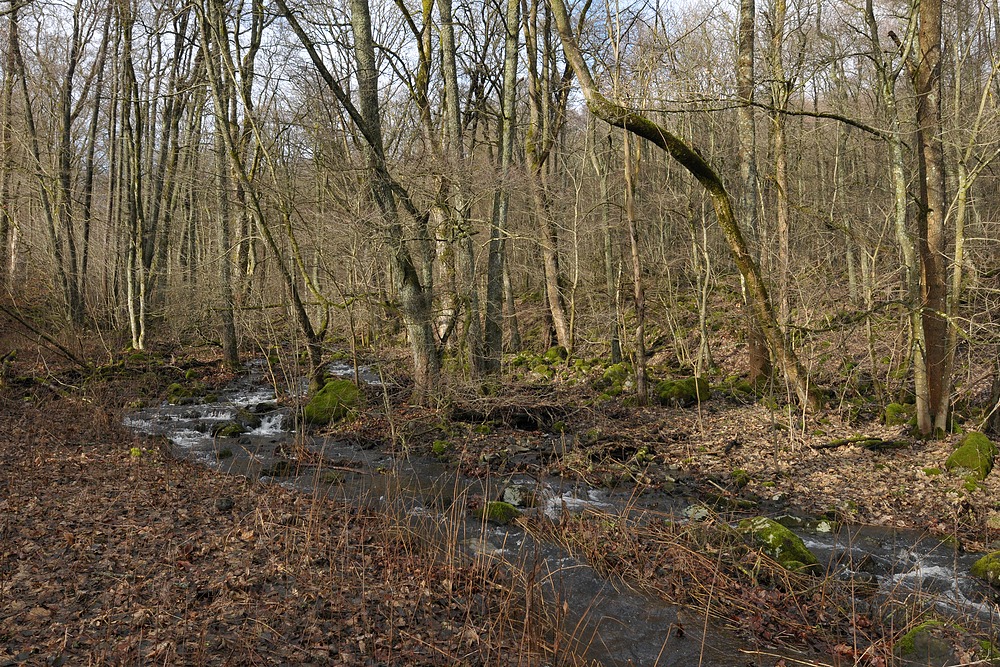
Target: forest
point(698, 295)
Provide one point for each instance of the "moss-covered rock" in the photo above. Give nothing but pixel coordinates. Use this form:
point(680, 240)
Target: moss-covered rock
point(976, 454)
point(739, 477)
point(544, 370)
point(246, 419)
point(555, 354)
point(612, 382)
point(332, 403)
point(178, 394)
point(521, 494)
point(987, 568)
point(440, 448)
point(925, 645)
point(229, 429)
point(898, 414)
point(683, 392)
point(780, 543)
point(497, 511)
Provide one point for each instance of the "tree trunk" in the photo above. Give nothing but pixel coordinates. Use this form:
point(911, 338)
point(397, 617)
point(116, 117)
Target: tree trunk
point(759, 356)
point(619, 116)
point(630, 167)
point(465, 257)
point(780, 89)
point(415, 301)
point(932, 398)
point(496, 269)
point(538, 142)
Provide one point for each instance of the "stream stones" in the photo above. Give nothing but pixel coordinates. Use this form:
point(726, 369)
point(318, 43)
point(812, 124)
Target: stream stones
point(521, 494)
point(987, 568)
point(242, 422)
point(779, 542)
point(975, 454)
point(497, 511)
point(332, 403)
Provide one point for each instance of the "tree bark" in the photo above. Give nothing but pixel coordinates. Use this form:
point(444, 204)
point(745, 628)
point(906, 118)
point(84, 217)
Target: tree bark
point(932, 400)
point(495, 269)
point(759, 357)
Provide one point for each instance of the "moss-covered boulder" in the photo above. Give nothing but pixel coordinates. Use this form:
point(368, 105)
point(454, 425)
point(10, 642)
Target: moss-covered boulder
point(779, 543)
point(927, 644)
point(975, 454)
point(332, 403)
point(613, 381)
point(544, 370)
point(682, 393)
point(497, 511)
point(229, 429)
point(987, 568)
point(555, 354)
point(178, 394)
point(246, 419)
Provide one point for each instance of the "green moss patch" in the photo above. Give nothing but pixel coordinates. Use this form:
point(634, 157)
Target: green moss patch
point(975, 453)
point(332, 403)
point(987, 568)
point(779, 542)
point(925, 644)
point(555, 354)
point(683, 392)
point(612, 382)
point(898, 414)
point(497, 511)
point(228, 430)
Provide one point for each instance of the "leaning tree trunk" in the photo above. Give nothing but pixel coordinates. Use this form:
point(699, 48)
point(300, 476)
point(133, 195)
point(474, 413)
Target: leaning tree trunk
point(636, 123)
point(415, 298)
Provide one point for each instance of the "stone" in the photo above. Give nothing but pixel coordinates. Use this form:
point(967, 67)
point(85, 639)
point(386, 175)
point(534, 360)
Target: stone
point(520, 495)
point(975, 454)
point(555, 354)
point(682, 393)
point(332, 403)
point(613, 381)
point(224, 504)
point(780, 543)
point(987, 568)
point(499, 512)
point(230, 429)
point(923, 646)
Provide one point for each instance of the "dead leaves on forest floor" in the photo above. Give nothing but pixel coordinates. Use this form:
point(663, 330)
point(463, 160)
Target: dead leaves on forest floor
point(112, 555)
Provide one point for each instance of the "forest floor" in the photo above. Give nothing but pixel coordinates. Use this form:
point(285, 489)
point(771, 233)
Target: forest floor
point(114, 552)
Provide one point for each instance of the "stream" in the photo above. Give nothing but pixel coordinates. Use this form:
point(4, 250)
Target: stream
point(609, 623)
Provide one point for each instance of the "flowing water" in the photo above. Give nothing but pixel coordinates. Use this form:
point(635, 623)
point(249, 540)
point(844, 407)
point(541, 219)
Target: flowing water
point(609, 623)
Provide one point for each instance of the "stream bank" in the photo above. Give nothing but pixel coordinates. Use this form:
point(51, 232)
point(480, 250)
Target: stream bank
point(608, 622)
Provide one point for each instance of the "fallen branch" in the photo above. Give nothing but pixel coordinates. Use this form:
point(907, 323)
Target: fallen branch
point(59, 347)
point(868, 442)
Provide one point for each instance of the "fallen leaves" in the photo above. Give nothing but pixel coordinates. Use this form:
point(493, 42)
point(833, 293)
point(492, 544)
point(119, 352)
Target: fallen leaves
point(109, 560)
